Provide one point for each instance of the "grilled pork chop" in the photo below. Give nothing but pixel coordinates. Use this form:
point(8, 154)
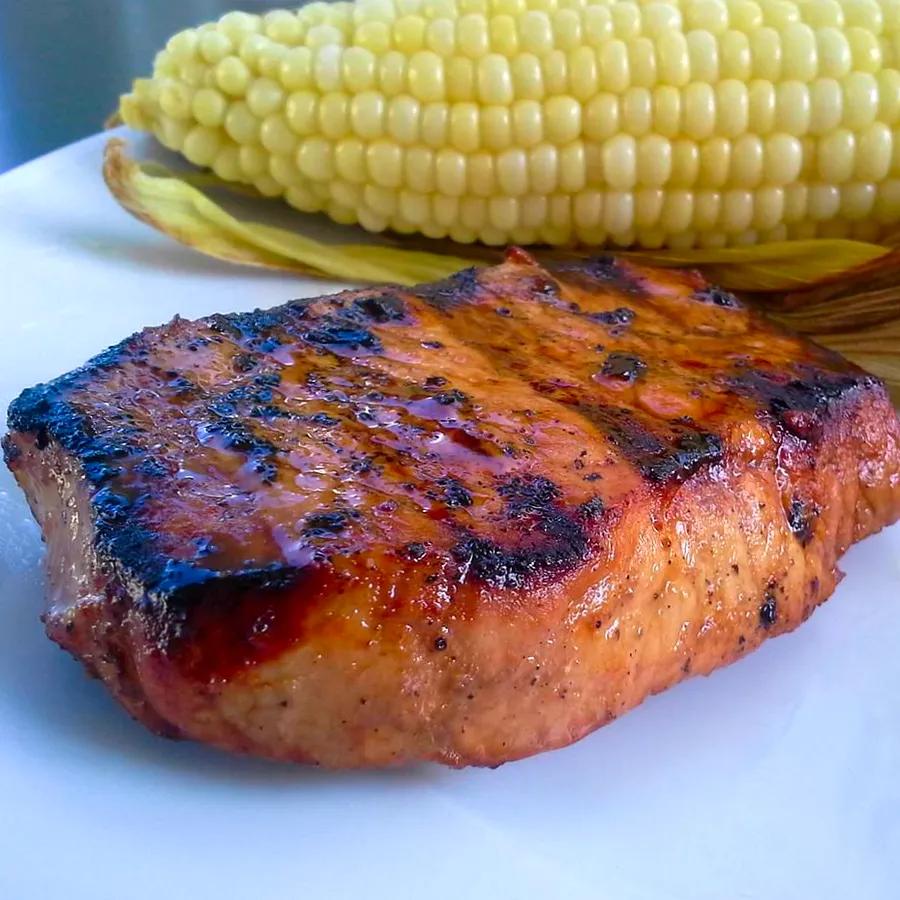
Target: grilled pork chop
point(464, 522)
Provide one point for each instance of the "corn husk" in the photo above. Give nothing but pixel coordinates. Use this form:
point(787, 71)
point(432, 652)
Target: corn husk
point(844, 294)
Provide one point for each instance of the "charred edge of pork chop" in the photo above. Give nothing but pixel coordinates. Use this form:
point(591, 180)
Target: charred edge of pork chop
point(179, 643)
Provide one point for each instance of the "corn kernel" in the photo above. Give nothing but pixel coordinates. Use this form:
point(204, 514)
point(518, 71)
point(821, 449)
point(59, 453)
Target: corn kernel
point(766, 52)
point(419, 169)
point(654, 160)
point(626, 18)
point(746, 161)
point(254, 161)
point(284, 170)
point(677, 211)
point(857, 200)
point(512, 172)
point(527, 76)
point(555, 69)
point(835, 56)
point(714, 162)
point(648, 203)
point(566, 24)
point(392, 74)
point(464, 127)
point(227, 165)
point(480, 175)
point(860, 100)
point(601, 117)
point(450, 172)
point(597, 25)
point(824, 202)
point(826, 101)
point(472, 37)
point(572, 168)
point(283, 26)
point(583, 73)
point(734, 56)
point(435, 121)
point(277, 136)
point(562, 119)
point(176, 100)
point(865, 50)
point(612, 61)
point(460, 77)
point(494, 80)
point(201, 145)
point(673, 58)
point(295, 70)
point(667, 110)
point(732, 108)
point(685, 163)
point(214, 46)
point(233, 76)
point(349, 160)
point(535, 32)
point(426, 76)
point(698, 110)
point(620, 162)
point(496, 127)
point(703, 56)
point(367, 113)
point(409, 34)
point(440, 37)
point(873, 152)
point(737, 210)
point(384, 161)
point(792, 108)
point(618, 212)
point(264, 96)
point(783, 159)
point(504, 38)
point(241, 125)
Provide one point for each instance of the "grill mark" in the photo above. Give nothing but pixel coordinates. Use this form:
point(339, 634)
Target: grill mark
point(661, 460)
point(604, 272)
point(550, 538)
point(452, 293)
point(340, 332)
point(486, 561)
point(246, 619)
point(528, 494)
point(455, 494)
point(799, 405)
point(382, 308)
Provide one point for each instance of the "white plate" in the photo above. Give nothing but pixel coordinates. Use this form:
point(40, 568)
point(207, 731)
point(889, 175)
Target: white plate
point(776, 778)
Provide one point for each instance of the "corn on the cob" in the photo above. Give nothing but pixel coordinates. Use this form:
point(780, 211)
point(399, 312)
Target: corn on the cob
point(679, 123)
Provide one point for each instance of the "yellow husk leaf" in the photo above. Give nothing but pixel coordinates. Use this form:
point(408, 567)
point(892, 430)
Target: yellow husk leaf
point(176, 208)
point(844, 294)
point(857, 315)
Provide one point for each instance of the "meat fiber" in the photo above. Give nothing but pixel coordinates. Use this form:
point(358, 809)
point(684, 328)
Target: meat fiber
point(464, 522)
